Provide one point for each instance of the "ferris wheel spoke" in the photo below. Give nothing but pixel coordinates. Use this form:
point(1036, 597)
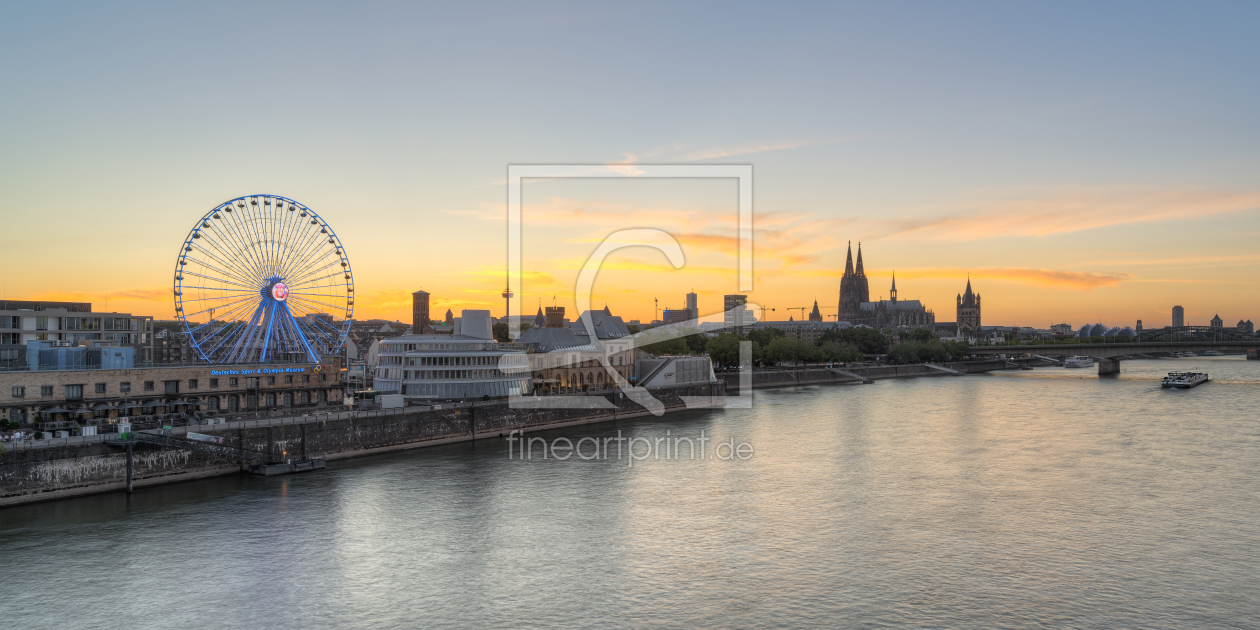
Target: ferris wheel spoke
point(212, 278)
point(308, 249)
point(307, 278)
point(228, 306)
point(222, 272)
point(222, 266)
point(306, 300)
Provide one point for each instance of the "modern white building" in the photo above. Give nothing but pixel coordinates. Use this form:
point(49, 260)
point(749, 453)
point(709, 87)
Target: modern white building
point(450, 367)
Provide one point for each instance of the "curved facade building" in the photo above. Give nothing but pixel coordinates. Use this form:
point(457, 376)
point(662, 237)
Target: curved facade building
point(450, 367)
point(1098, 331)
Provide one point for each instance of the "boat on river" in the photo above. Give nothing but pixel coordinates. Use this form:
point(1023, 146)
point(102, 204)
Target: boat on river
point(1184, 380)
point(1213, 353)
point(1078, 362)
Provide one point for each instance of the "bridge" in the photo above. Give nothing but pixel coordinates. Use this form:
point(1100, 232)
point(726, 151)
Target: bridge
point(1108, 355)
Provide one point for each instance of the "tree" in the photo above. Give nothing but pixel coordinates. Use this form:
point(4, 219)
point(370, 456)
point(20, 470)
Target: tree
point(921, 335)
point(633, 328)
point(764, 336)
point(669, 346)
point(500, 332)
point(868, 340)
point(839, 352)
point(724, 349)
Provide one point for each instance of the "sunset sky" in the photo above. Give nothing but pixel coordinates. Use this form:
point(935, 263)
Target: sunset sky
point(1080, 162)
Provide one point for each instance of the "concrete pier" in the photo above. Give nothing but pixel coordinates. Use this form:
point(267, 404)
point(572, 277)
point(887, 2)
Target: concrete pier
point(1108, 366)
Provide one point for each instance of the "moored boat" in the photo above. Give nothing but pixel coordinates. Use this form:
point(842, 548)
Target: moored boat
point(1213, 353)
point(1184, 380)
point(1078, 362)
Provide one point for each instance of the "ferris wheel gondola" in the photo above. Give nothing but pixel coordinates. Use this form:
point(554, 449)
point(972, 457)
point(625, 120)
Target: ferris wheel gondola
point(263, 279)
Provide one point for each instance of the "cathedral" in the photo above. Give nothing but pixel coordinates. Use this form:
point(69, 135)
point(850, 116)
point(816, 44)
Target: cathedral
point(857, 308)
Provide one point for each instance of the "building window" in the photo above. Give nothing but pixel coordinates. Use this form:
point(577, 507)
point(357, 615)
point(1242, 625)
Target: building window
point(192, 383)
point(45, 390)
point(251, 382)
point(323, 378)
point(288, 379)
point(271, 380)
point(214, 382)
point(74, 392)
point(148, 386)
point(306, 378)
point(306, 398)
point(19, 392)
point(232, 382)
point(171, 387)
point(100, 388)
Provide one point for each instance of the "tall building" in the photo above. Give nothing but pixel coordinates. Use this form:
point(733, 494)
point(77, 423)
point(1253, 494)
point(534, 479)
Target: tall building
point(1246, 326)
point(1178, 317)
point(1217, 322)
point(1139, 326)
point(450, 317)
point(968, 314)
point(733, 310)
point(854, 289)
point(420, 313)
point(815, 315)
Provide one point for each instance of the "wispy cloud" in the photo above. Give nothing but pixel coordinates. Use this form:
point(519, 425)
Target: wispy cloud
point(1074, 211)
point(1080, 280)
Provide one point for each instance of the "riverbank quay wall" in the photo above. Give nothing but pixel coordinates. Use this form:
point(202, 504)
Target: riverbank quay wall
point(813, 375)
point(70, 467)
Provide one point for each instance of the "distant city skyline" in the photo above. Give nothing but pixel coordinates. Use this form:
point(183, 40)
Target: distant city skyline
point(1105, 180)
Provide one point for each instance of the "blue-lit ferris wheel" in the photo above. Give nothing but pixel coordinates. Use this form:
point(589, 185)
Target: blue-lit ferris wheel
point(264, 279)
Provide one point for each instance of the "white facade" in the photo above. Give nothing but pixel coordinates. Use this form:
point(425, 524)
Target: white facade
point(446, 367)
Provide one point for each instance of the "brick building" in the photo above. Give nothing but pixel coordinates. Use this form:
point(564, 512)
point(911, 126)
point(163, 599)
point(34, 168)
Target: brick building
point(81, 394)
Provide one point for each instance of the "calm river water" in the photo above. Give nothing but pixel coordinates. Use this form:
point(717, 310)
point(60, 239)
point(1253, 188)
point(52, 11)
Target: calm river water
point(1019, 499)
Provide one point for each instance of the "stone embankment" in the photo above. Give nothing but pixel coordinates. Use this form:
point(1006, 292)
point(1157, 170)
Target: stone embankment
point(813, 375)
point(90, 466)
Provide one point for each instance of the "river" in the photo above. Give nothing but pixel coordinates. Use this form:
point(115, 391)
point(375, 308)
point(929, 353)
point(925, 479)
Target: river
point(1014, 499)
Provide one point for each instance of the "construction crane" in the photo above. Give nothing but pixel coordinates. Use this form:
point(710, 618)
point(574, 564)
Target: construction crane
point(802, 309)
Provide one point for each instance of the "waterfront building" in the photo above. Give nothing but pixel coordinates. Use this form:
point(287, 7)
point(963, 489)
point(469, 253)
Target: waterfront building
point(1217, 322)
point(968, 309)
point(569, 360)
point(1178, 317)
point(1246, 326)
point(450, 367)
point(69, 323)
point(1064, 330)
point(734, 312)
point(106, 392)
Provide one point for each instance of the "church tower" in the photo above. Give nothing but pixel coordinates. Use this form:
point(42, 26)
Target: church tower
point(968, 316)
point(815, 315)
point(892, 293)
point(854, 289)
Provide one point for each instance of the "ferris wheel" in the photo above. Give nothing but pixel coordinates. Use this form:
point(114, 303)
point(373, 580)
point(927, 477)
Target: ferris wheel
point(264, 279)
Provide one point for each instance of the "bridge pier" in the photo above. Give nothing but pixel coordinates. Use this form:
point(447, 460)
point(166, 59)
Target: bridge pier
point(1108, 366)
point(1253, 354)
